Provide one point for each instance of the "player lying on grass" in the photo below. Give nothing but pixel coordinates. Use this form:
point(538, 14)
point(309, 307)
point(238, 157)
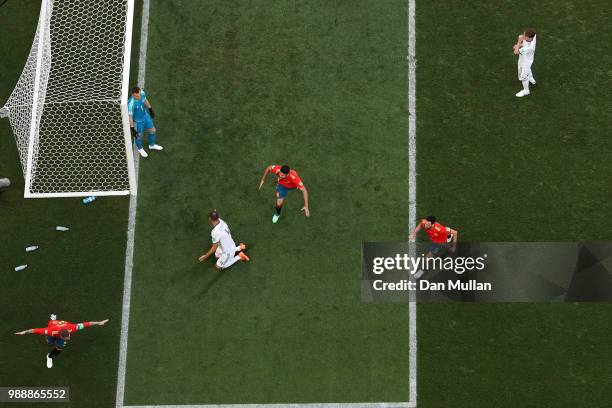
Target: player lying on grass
point(525, 48)
point(141, 119)
point(288, 180)
point(223, 245)
point(58, 333)
point(441, 238)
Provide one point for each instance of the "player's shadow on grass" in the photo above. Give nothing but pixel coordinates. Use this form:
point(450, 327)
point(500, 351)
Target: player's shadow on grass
point(214, 280)
point(211, 283)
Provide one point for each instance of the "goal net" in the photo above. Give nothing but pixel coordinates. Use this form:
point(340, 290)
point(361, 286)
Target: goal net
point(68, 110)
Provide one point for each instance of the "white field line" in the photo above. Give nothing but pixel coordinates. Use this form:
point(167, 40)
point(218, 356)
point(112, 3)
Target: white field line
point(412, 177)
point(129, 250)
point(314, 405)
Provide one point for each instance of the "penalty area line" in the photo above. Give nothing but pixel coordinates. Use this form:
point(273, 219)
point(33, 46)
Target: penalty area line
point(412, 197)
point(131, 230)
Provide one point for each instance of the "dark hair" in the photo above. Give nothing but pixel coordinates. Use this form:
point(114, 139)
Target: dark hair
point(64, 333)
point(213, 215)
point(135, 90)
point(530, 32)
point(285, 169)
point(432, 219)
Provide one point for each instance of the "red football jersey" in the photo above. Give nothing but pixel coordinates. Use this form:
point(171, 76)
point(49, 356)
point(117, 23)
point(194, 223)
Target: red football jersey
point(292, 180)
point(438, 233)
point(54, 326)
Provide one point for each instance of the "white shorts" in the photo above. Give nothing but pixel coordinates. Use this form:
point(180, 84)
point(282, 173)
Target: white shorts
point(524, 72)
point(223, 261)
point(222, 258)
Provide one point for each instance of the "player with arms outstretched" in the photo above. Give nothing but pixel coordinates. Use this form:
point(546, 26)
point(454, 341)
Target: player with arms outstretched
point(58, 333)
point(440, 237)
point(525, 48)
point(288, 180)
point(223, 245)
point(141, 117)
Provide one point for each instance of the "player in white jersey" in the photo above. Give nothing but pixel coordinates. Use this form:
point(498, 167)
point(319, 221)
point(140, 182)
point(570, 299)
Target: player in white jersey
point(525, 48)
point(223, 245)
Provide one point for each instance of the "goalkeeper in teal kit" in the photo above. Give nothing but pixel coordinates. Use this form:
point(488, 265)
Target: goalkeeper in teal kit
point(141, 118)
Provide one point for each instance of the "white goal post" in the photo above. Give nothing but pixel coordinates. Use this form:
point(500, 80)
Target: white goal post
point(68, 110)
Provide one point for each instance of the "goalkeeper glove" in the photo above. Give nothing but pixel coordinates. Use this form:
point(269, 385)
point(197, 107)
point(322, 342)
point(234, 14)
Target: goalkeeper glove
point(133, 132)
point(152, 113)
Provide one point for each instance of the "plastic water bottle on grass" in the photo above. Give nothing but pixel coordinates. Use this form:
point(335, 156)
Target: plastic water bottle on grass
point(60, 228)
point(31, 248)
point(20, 268)
point(89, 199)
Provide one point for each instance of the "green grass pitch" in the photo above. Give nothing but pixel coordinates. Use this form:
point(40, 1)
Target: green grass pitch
point(500, 168)
point(322, 86)
point(254, 84)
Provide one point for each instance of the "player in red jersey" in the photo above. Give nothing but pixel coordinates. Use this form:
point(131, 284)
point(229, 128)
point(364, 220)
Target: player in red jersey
point(288, 180)
point(440, 238)
point(58, 333)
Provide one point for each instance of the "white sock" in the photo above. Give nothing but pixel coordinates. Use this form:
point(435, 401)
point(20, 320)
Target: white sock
point(526, 85)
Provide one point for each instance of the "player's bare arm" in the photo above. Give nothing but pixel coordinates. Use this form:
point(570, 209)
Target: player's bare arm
point(93, 323)
point(519, 41)
point(31, 331)
point(100, 323)
point(263, 178)
point(305, 207)
point(211, 251)
point(415, 231)
point(454, 236)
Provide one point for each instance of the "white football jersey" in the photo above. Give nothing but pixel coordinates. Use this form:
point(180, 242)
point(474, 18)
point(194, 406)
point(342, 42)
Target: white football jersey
point(527, 52)
point(222, 235)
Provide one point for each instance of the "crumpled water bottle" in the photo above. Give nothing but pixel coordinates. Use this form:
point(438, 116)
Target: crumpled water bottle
point(89, 199)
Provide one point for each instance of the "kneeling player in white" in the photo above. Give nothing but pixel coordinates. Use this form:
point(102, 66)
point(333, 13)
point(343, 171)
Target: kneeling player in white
point(525, 49)
point(223, 245)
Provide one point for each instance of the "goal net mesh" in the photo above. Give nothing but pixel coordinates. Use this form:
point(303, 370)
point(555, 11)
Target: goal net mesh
point(67, 110)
